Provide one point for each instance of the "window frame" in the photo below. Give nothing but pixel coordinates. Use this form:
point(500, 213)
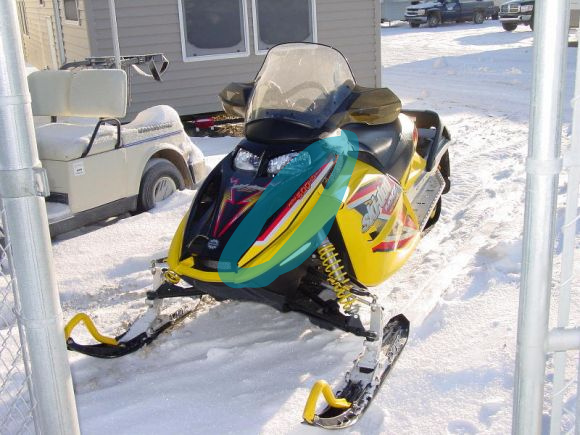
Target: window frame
point(217, 56)
point(65, 20)
point(314, 20)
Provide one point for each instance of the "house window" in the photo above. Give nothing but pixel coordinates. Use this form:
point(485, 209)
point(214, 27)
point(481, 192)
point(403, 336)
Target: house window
point(278, 21)
point(71, 10)
point(213, 29)
point(22, 19)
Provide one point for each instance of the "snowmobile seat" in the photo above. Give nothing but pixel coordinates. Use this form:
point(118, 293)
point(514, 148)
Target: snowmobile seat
point(380, 146)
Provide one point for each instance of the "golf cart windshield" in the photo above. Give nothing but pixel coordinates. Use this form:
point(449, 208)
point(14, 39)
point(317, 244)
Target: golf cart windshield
point(301, 83)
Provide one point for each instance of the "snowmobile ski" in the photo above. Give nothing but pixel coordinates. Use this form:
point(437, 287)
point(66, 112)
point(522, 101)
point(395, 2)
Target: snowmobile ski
point(124, 344)
point(146, 328)
point(362, 382)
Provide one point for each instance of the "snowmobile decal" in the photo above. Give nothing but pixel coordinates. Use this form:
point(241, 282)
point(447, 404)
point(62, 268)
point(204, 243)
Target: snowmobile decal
point(294, 204)
point(241, 197)
point(304, 236)
point(376, 201)
point(401, 235)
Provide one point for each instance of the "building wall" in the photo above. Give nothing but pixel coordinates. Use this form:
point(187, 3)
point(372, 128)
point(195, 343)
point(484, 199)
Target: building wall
point(75, 35)
point(574, 13)
point(151, 26)
point(37, 50)
point(41, 47)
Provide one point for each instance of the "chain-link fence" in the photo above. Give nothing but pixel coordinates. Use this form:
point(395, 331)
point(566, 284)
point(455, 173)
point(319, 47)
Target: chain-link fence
point(15, 403)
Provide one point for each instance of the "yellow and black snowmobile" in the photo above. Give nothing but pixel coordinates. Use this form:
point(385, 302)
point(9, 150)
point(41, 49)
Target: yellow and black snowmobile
point(327, 195)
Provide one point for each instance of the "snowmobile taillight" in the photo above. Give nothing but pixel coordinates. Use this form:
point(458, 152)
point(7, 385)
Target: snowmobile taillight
point(204, 123)
point(415, 136)
point(246, 160)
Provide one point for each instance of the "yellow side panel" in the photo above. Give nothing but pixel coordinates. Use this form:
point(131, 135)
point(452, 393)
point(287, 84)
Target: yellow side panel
point(377, 224)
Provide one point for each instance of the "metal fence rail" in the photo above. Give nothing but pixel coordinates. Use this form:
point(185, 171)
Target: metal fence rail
point(545, 161)
point(40, 364)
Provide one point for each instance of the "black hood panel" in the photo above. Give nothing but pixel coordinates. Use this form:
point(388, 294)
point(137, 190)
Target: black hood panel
point(223, 201)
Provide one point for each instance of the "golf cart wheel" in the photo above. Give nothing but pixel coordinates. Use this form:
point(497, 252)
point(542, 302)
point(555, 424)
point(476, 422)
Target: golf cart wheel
point(478, 17)
point(414, 25)
point(510, 27)
point(433, 20)
point(160, 180)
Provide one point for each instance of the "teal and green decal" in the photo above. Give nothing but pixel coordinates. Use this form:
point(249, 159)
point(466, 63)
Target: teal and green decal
point(338, 153)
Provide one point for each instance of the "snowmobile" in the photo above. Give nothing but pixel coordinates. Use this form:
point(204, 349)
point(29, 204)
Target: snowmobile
point(327, 195)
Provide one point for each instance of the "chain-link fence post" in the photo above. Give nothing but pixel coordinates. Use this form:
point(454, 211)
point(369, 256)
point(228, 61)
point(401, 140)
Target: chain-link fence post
point(543, 167)
point(22, 185)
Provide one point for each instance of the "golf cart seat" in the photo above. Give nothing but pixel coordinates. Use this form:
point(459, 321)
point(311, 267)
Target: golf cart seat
point(94, 97)
point(65, 142)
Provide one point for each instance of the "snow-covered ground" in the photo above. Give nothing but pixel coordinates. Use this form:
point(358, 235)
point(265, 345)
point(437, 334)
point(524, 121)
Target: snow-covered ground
point(246, 368)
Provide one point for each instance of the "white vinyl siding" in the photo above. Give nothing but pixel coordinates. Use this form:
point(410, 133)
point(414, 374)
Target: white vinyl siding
point(279, 21)
point(213, 29)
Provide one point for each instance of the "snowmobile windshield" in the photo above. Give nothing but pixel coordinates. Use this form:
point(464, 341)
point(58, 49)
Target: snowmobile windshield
point(301, 83)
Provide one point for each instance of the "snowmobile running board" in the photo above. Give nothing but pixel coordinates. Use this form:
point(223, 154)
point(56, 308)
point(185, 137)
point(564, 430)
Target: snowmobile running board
point(364, 380)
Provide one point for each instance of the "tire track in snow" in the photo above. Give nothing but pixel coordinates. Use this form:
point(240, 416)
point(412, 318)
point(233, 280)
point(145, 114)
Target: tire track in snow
point(476, 208)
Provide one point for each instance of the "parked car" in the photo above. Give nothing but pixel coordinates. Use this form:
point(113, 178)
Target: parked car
point(516, 12)
point(96, 167)
point(436, 12)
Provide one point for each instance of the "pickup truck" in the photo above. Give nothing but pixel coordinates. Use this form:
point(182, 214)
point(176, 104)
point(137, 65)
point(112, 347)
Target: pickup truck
point(436, 12)
point(516, 12)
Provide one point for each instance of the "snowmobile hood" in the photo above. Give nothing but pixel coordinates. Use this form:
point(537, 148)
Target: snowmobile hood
point(224, 232)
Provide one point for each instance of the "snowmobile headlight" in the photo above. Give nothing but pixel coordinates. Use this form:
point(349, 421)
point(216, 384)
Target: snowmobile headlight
point(526, 8)
point(421, 12)
point(300, 161)
point(246, 161)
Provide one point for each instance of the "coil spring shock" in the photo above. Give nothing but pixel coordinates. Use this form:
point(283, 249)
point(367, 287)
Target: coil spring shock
point(337, 277)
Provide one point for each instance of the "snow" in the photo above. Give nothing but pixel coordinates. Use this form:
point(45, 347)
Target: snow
point(246, 368)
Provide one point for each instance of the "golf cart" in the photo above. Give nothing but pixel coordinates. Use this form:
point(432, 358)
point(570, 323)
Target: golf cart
point(98, 168)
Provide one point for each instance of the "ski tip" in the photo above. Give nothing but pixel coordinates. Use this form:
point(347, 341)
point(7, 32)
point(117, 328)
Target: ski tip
point(322, 387)
point(401, 319)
